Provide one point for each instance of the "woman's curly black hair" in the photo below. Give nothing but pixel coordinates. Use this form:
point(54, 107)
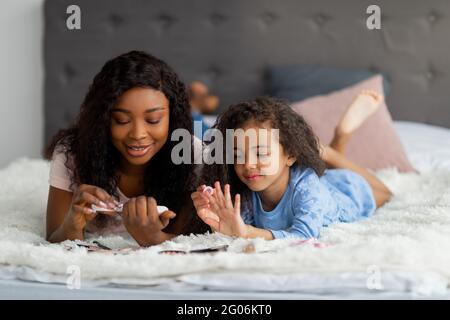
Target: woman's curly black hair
point(88, 140)
point(295, 136)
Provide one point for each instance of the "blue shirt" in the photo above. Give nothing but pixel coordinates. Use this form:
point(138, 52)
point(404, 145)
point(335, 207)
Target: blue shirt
point(310, 202)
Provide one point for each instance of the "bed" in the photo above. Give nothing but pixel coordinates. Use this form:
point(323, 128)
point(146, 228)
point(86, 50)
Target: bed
point(412, 266)
point(401, 253)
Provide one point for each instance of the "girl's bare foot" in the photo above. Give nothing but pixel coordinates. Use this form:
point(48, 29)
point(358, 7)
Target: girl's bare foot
point(365, 104)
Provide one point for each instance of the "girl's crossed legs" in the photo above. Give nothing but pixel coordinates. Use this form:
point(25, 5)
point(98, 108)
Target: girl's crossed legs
point(361, 108)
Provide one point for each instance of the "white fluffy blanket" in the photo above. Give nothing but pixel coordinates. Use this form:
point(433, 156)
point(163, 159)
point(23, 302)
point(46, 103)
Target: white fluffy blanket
point(411, 234)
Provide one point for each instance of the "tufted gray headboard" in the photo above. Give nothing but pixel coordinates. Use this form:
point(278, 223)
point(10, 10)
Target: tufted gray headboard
point(229, 44)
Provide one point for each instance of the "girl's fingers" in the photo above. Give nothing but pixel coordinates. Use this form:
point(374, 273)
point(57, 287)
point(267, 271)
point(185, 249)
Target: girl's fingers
point(199, 204)
point(228, 202)
point(215, 208)
point(237, 204)
point(202, 206)
point(195, 195)
point(213, 217)
point(219, 194)
point(215, 225)
point(208, 190)
point(199, 196)
point(210, 219)
point(200, 200)
point(203, 214)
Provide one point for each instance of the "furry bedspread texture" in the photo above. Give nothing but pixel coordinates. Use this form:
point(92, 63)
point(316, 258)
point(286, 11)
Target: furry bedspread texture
point(410, 233)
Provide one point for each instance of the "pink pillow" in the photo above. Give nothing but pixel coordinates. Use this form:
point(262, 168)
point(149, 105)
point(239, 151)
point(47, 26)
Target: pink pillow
point(374, 145)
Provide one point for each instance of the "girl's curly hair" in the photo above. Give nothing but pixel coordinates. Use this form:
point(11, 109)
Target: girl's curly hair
point(295, 136)
point(88, 140)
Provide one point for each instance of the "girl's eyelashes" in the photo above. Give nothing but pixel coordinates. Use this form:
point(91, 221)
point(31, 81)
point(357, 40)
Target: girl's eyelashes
point(239, 157)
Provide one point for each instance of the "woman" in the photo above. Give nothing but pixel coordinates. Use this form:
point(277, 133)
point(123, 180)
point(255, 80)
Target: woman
point(119, 151)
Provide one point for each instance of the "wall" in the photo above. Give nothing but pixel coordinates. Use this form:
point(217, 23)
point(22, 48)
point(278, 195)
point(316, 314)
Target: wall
point(21, 81)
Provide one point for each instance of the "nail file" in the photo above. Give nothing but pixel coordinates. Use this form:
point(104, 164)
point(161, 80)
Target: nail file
point(119, 209)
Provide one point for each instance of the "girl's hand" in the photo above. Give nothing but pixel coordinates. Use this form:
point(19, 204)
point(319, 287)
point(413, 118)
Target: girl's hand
point(145, 225)
point(218, 212)
point(201, 204)
point(80, 212)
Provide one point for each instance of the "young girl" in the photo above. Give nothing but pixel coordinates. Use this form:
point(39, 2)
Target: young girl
point(299, 196)
point(119, 150)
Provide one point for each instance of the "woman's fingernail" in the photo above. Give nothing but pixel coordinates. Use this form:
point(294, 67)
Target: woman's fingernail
point(102, 204)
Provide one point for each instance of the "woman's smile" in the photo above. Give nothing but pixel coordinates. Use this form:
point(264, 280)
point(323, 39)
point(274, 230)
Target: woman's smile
point(134, 150)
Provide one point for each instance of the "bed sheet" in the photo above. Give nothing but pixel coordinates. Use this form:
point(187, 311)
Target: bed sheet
point(427, 146)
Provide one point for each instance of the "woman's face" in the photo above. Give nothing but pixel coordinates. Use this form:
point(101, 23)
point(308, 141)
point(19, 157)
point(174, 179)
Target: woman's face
point(140, 124)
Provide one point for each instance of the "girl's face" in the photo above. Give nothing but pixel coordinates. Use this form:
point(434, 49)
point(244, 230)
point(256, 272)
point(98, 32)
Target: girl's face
point(261, 162)
point(140, 124)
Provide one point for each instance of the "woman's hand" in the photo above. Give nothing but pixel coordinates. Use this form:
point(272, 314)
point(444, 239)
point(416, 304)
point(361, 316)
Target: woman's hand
point(217, 211)
point(80, 212)
point(145, 225)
